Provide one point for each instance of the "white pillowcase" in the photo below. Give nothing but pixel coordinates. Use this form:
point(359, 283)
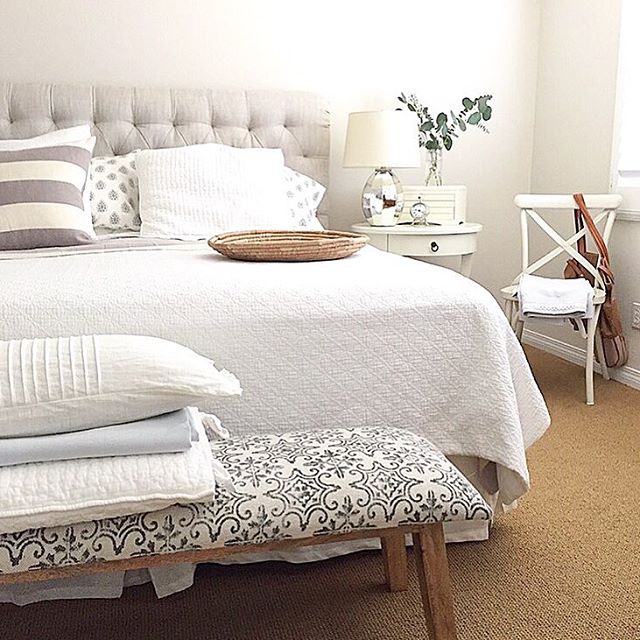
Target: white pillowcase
point(58, 385)
point(198, 191)
point(72, 135)
point(113, 192)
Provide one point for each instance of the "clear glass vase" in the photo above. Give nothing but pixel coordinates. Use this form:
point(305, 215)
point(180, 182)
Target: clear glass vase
point(434, 168)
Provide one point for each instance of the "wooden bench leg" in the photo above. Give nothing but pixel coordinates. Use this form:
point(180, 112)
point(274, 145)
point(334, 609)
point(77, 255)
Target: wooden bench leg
point(435, 584)
point(394, 553)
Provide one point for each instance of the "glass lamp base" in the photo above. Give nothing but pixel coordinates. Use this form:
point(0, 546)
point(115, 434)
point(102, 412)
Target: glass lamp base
point(382, 198)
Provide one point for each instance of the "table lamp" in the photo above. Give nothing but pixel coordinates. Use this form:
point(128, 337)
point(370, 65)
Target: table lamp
point(382, 139)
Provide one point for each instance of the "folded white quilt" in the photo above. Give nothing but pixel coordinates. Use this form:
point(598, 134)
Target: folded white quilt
point(48, 494)
point(168, 433)
point(555, 297)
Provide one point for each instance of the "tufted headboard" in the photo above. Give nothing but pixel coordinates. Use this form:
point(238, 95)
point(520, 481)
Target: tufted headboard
point(124, 119)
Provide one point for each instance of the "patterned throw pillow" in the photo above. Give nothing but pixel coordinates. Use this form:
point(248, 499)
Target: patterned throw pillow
point(304, 195)
point(113, 184)
point(41, 197)
point(72, 135)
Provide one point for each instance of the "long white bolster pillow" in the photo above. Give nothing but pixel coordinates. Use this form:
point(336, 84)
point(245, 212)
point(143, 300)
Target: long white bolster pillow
point(59, 385)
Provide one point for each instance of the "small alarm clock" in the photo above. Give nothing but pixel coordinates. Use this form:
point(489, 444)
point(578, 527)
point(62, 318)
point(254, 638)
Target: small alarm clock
point(419, 212)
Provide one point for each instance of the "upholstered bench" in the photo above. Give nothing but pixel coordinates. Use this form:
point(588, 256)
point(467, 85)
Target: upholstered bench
point(289, 491)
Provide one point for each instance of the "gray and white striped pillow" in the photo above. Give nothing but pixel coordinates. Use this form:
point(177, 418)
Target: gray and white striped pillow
point(41, 197)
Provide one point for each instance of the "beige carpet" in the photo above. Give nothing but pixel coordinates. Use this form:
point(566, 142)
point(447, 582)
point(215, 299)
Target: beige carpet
point(564, 566)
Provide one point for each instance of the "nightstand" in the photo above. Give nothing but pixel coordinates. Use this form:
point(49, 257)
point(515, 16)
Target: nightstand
point(426, 241)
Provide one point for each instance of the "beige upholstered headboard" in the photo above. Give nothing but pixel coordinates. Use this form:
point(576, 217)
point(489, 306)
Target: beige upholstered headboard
point(124, 119)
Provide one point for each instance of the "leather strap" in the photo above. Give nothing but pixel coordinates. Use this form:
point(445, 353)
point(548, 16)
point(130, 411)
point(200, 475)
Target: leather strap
point(581, 244)
point(582, 213)
point(588, 220)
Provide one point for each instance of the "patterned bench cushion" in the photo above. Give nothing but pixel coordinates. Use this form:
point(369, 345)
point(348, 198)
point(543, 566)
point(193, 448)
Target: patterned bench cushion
point(296, 485)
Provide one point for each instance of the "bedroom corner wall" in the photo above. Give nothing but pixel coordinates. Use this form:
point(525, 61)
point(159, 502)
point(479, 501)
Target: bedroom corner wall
point(348, 51)
point(573, 136)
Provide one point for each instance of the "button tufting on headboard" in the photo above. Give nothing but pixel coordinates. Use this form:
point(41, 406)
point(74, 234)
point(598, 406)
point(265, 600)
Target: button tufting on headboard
point(124, 119)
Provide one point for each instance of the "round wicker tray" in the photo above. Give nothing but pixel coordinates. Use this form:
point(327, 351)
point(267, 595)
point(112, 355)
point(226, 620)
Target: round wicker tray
point(287, 246)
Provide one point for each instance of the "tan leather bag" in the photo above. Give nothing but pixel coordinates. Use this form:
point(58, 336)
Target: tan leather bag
point(609, 323)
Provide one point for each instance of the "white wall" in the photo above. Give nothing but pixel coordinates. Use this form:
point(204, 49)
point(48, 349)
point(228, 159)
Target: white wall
point(360, 54)
point(575, 108)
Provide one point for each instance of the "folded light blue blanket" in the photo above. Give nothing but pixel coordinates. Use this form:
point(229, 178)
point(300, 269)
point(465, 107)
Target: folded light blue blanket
point(169, 433)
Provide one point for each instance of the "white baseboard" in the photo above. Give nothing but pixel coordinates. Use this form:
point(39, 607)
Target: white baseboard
point(576, 355)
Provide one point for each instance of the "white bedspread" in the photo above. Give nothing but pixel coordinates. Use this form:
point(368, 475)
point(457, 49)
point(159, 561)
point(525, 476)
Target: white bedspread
point(371, 340)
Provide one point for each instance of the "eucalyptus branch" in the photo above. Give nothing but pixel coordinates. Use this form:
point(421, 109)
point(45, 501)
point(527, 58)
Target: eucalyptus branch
point(439, 133)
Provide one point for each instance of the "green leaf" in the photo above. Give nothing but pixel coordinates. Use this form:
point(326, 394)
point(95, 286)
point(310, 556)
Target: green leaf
point(441, 119)
point(474, 118)
point(467, 103)
point(448, 143)
point(426, 126)
point(432, 145)
point(486, 114)
point(411, 107)
point(482, 103)
point(462, 124)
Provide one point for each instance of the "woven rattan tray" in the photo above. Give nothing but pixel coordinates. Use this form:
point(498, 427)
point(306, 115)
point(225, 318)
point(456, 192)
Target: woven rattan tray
point(287, 246)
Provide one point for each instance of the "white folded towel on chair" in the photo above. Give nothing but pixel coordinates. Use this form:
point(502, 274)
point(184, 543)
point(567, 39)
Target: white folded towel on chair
point(555, 298)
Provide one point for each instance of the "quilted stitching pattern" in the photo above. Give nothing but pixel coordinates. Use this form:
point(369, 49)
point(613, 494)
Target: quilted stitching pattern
point(374, 339)
point(289, 486)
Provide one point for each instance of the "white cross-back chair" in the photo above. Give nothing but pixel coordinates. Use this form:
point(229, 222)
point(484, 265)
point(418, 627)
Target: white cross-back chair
point(603, 209)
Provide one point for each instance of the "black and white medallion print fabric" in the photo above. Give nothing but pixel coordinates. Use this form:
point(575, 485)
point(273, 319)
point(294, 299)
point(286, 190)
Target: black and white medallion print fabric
point(296, 485)
point(113, 192)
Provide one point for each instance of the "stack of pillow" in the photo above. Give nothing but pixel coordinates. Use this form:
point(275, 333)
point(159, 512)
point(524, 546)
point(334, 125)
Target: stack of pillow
point(100, 426)
point(186, 193)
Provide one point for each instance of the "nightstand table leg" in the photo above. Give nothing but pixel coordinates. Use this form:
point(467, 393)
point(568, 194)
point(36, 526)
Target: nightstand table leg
point(465, 264)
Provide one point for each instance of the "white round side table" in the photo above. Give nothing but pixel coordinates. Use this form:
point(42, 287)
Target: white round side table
point(426, 241)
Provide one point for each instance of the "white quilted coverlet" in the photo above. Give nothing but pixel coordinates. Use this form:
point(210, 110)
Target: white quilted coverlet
point(375, 339)
point(49, 494)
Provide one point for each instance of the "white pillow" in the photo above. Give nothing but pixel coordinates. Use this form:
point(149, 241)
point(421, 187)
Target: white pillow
point(198, 191)
point(51, 139)
point(72, 135)
point(58, 385)
point(113, 192)
point(304, 195)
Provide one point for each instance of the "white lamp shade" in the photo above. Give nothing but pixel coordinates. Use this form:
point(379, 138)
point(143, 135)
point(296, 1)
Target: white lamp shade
point(382, 139)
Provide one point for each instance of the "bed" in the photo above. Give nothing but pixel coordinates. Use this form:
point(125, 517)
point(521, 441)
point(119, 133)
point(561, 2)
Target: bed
point(375, 339)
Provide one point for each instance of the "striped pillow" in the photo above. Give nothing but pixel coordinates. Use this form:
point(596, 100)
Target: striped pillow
point(41, 197)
